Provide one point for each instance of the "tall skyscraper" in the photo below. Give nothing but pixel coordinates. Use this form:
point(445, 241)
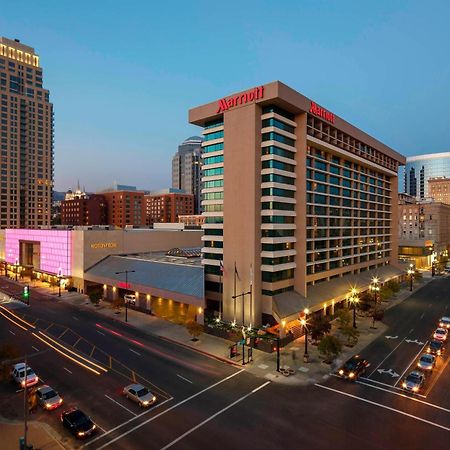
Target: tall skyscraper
point(26, 139)
point(186, 169)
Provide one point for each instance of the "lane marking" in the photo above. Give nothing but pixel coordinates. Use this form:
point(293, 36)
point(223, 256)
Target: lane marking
point(99, 332)
point(422, 315)
point(117, 403)
point(33, 347)
point(18, 317)
point(13, 321)
point(160, 414)
point(12, 332)
point(215, 415)
point(412, 362)
point(65, 368)
point(134, 351)
point(63, 333)
point(77, 342)
point(383, 406)
point(374, 370)
point(185, 379)
point(74, 318)
point(411, 330)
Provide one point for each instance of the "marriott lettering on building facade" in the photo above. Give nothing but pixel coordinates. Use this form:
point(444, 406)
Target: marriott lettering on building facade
point(321, 112)
point(226, 103)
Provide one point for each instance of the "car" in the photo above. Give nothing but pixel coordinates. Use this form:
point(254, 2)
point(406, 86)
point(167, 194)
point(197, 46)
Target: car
point(18, 375)
point(354, 367)
point(139, 394)
point(440, 334)
point(426, 362)
point(77, 422)
point(444, 322)
point(130, 299)
point(414, 382)
point(48, 398)
point(436, 347)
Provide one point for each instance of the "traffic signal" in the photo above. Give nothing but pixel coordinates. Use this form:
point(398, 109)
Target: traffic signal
point(26, 293)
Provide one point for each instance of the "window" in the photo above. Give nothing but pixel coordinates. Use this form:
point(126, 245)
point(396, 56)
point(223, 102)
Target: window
point(278, 137)
point(278, 124)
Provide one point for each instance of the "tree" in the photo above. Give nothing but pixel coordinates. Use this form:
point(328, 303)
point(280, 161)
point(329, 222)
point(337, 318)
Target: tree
point(194, 329)
point(329, 347)
point(95, 295)
point(344, 317)
point(351, 334)
point(7, 352)
point(318, 326)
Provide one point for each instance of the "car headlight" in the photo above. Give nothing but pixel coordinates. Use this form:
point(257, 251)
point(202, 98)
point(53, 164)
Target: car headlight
point(81, 433)
point(351, 375)
point(23, 383)
point(60, 401)
point(47, 405)
point(154, 398)
point(419, 365)
point(404, 385)
point(145, 402)
point(341, 372)
point(428, 349)
point(438, 352)
point(415, 388)
point(94, 426)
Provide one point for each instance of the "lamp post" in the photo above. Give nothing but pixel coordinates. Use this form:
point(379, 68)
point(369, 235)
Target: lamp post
point(59, 281)
point(126, 272)
point(354, 299)
point(375, 288)
point(304, 323)
point(16, 265)
point(411, 276)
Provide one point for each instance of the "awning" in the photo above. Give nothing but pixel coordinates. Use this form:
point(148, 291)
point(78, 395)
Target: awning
point(287, 305)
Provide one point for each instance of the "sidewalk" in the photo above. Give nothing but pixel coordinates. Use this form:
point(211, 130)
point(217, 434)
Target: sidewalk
point(264, 364)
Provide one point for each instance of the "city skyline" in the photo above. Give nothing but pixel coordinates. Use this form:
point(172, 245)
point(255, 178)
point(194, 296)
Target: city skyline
point(356, 58)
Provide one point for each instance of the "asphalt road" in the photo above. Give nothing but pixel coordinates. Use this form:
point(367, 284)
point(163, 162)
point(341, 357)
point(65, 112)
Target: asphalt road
point(204, 403)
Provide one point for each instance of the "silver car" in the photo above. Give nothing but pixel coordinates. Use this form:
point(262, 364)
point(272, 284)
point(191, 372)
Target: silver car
point(426, 362)
point(414, 381)
point(48, 398)
point(139, 394)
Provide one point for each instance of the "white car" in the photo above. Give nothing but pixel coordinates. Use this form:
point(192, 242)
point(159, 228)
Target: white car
point(440, 334)
point(444, 322)
point(48, 398)
point(18, 375)
point(130, 299)
point(139, 394)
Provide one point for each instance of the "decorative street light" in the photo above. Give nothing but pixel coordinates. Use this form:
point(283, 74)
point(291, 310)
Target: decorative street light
point(375, 288)
point(411, 276)
point(59, 281)
point(354, 300)
point(304, 323)
point(16, 266)
point(126, 272)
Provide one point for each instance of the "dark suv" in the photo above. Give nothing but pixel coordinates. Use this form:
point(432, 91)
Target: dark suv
point(354, 368)
point(78, 422)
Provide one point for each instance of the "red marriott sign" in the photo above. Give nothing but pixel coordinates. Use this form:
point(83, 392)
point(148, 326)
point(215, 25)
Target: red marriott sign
point(318, 111)
point(226, 103)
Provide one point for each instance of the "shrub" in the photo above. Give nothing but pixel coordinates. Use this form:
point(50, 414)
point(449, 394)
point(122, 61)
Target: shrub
point(393, 285)
point(351, 334)
point(318, 326)
point(330, 347)
point(194, 329)
point(344, 317)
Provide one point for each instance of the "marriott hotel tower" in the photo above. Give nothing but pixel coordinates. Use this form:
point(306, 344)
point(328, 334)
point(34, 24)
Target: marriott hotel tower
point(300, 206)
point(26, 139)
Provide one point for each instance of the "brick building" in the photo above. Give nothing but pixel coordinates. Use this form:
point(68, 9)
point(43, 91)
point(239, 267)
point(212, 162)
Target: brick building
point(166, 206)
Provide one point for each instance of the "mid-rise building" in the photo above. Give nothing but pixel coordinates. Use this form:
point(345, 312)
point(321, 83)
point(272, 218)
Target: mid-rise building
point(84, 210)
point(299, 205)
point(167, 205)
point(439, 189)
point(26, 139)
point(419, 169)
point(125, 208)
point(186, 169)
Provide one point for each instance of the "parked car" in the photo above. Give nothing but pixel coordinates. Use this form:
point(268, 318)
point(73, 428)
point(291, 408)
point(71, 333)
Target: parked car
point(436, 347)
point(139, 394)
point(440, 334)
point(426, 362)
point(48, 398)
point(18, 375)
point(77, 422)
point(130, 299)
point(414, 382)
point(354, 368)
point(444, 322)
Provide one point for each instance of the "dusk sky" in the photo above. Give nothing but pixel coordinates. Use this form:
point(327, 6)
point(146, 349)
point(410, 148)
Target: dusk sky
point(123, 75)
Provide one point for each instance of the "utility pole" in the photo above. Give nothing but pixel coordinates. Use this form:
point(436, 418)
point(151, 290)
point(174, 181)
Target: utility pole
point(126, 272)
point(25, 407)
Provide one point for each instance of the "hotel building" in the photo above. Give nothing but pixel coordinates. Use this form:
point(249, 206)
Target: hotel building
point(26, 139)
point(299, 205)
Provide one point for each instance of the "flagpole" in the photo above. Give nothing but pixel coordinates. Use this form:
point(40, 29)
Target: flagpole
point(234, 292)
point(221, 297)
point(251, 294)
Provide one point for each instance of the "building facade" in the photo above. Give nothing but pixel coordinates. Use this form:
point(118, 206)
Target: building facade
point(166, 206)
point(439, 189)
point(84, 210)
point(297, 202)
point(419, 169)
point(186, 169)
point(26, 139)
point(125, 208)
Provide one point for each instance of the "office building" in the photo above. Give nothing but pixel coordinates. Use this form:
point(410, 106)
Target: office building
point(26, 139)
point(439, 189)
point(414, 176)
point(299, 205)
point(167, 205)
point(186, 169)
point(125, 208)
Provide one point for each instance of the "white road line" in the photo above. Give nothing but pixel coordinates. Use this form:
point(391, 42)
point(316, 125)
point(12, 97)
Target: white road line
point(33, 347)
point(98, 426)
point(383, 384)
point(185, 379)
point(12, 332)
point(374, 370)
point(134, 351)
point(410, 364)
point(214, 416)
point(383, 406)
point(65, 368)
point(117, 403)
point(99, 332)
point(74, 318)
point(422, 315)
point(411, 330)
point(160, 414)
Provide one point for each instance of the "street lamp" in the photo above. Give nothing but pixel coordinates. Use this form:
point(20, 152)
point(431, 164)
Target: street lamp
point(59, 281)
point(16, 265)
point(126, 272)
point(375, 289)
point(304, 323)
point(411, 276)
point(354, 299)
